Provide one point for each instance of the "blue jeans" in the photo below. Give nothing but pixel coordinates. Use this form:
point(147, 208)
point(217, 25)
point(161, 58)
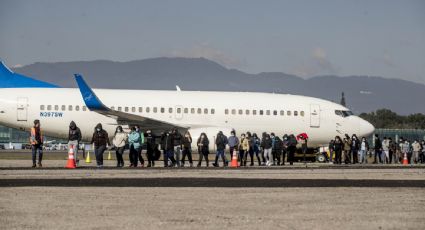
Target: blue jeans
point(98, 152)
point(35, 149)
point(220, 153)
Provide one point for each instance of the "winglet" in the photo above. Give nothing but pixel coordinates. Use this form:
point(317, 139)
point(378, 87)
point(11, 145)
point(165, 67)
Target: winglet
point(89, 97)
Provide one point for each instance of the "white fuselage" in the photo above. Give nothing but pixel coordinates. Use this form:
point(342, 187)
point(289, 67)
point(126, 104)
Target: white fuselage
point(19, 107)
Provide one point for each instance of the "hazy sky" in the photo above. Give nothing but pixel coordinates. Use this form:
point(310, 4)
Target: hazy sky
point(307, 38)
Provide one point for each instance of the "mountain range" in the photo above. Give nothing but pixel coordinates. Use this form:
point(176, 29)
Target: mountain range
point(362, 93)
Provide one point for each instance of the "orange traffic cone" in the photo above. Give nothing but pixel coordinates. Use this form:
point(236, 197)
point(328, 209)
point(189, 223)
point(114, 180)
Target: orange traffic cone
point(405, 161)
point(234, 163)
point(71, 161)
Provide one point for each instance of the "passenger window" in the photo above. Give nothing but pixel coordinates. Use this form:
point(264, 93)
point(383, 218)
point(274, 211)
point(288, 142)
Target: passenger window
point(41, 107)
point(155, 109)
point(170, 110)
point(233, 111)
point(205, 111)
point(254, 112)
point(70, 108)
point(288, 113)
point(56, 107)
point(267, 112)
point(240, 112)
point(192, 110)
point(186, 110)
point(49, 107)
point(119, 108)
point(133, 109)
point(162, 110)
point(77, 108)
point(199, 111)
point(261, 112)
point(247, 112)
point(212, 111)
point(140, 109)
point(84, 108)
point(179, 110)
point(282, 113)
point(302, 113)
point(226, 111)
point(113, 107)
point(126, 109)
point(148, 109)
point(275, 112)
point(295, 113)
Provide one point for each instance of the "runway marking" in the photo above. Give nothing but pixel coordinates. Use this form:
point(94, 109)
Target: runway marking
point(209, 182)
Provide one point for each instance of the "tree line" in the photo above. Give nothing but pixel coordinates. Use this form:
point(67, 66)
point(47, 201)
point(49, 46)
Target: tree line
point(387, 119)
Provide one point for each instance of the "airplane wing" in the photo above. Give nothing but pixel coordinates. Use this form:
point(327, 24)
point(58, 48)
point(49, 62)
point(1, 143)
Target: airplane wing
point(94, 104)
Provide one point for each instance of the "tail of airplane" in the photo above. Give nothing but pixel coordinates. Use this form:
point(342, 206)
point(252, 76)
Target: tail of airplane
point(10, 79)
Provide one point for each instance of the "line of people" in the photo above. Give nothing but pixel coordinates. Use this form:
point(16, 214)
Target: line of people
point(352, 150)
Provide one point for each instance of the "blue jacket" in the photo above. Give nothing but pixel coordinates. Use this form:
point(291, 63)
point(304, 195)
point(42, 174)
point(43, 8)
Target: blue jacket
point(134, 139)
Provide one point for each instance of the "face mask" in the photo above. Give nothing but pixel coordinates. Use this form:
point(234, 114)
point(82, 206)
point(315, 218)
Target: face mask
point(98, 129)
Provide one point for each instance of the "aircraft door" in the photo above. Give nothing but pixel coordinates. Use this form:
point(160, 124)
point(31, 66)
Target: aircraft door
point(178, 112)
point(22, 109)
point(314, 116)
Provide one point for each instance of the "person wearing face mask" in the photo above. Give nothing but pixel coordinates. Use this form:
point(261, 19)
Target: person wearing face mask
point(150, 147)
point(139, 150)
point(257, 143)
point(221, 142)
point(250, 150)
point(285, 144)
point(233, 142)
point(267, 145)
point(119, 140)
point(168, 143)
point(177, 142)
point(354, 148)
point(100, 140)
point(203, 144)
point(134, 146)
point(363, 149)
point(74, 138)
point(36, 141)
point(187, 149)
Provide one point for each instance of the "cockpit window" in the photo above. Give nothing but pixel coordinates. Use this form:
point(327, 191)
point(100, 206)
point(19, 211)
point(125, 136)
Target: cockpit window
point(343, 113)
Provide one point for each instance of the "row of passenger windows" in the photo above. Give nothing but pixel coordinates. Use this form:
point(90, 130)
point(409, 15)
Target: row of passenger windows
point(178, 110)
point(62, 108)
point(263, 112)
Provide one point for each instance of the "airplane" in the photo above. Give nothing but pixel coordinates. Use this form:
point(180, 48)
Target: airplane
point(22, 101)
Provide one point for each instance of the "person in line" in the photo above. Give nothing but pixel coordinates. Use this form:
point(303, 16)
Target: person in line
point(338, 146)
point(263, 159)
point(150, 147)
point(392, 150)
point(363, 149)
point(400, 150)
point(292, 147)
point(284, 148)
point(169, 149)
point(405, 149)
point(221, 142)
point(331, 151)
point(277, 149)
point(203, 144)
point(36, 141)
point(250, 151)
point(139, 150)
point(187, 149)
point(274, 158)
point(355, 148)
point(243, 149)
point(101, 142)
point(119, 141)
point(416, 149)
point(347, 150)
point(74, 138)
point(177, 141)
point(267, 145)
point(233, 142)
point(134, 146)
point(422, 151)
point(256, 148)
point(378, 149)
point(385, 150)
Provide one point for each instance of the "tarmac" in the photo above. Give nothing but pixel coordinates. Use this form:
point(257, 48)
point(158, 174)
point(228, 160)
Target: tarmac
point(303, 196)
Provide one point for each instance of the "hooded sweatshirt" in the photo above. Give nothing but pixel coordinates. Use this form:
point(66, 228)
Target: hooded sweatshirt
point(74, 132)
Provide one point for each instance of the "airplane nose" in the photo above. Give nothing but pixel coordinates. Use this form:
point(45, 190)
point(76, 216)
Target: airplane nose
point(366, 128)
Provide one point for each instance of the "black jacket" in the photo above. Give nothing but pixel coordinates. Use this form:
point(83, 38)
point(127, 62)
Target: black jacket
point(267, 143)
point(150, 140)
point(278, 144)
point(187, 142)
point(221, 142)
point(177, 139)
point(74, 132)
point(100, 138)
